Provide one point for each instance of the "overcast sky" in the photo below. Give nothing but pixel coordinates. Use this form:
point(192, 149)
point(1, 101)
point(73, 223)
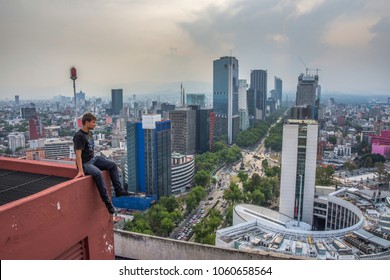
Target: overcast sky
point(138, 45)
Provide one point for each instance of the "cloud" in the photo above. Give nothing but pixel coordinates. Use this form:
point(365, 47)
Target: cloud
point(122, 41)
point(277, 38)
point(349, 33)
point(303, 7)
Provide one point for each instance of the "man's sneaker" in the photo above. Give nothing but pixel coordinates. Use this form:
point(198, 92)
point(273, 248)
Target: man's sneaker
point(110, 207)
point(121, 192)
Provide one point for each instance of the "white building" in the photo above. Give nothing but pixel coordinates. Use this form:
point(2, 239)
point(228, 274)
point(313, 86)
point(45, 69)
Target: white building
point(183, 171)
point(299, 152)
point(16, 140)
point(59, 148)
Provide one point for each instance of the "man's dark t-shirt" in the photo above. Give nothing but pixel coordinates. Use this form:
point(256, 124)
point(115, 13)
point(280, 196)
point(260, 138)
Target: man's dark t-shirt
point(84, 141)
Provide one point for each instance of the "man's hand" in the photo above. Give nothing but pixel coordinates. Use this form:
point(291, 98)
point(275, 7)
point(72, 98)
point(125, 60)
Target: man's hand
point(79, 175)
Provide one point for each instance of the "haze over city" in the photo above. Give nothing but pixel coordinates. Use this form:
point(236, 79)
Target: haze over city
point(150, 46)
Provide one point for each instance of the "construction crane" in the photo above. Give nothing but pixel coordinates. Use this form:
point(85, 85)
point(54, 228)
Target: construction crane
point(307, 68)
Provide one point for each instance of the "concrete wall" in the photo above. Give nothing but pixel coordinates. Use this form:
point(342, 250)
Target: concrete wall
point(145, 247)
point(47, 224)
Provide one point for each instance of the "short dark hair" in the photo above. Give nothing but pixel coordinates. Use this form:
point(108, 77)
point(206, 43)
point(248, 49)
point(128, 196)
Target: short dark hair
point(87, 118)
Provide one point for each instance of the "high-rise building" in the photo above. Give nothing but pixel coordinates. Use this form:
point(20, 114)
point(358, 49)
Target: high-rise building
point(28, 112)
point(308, 91)
point(183, 131)
point(36, 128)
point(297, 184)
point(149, 156)
point(258, 84)
point(16, 140)
point(242, 94)
point(244, 120)
point(308, 96)
point(80, 98)
point(242, 104)
point(205, 120)
point(225, 97)
point(116, 101)
point(271, 105)
point(251, 103)
point(17, 100)
point(278, 87)
point(196, 99)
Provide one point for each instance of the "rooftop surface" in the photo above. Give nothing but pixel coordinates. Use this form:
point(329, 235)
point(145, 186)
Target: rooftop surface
point(15, 185)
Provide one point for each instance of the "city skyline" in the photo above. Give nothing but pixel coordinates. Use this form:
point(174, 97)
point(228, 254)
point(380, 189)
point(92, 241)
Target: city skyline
point(141, 47)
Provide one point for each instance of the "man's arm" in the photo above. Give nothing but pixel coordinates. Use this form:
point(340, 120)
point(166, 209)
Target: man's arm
point(79, 164)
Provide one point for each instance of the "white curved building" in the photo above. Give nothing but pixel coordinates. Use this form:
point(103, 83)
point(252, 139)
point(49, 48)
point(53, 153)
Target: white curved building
point(349, 234)
point(182, 172)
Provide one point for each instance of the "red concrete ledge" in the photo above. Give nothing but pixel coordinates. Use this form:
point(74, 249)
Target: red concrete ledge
point(39, 167)
point(51, 223)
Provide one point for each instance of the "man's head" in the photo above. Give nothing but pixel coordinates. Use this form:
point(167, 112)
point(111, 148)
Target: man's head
point(88, 121)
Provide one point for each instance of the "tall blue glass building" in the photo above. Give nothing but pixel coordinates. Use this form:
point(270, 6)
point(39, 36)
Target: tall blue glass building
point(225, 98)
point(149, 156)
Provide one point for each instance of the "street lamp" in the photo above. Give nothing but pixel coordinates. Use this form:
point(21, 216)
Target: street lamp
point(300, 199)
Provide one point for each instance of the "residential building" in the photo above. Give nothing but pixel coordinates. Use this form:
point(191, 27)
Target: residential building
point(16, 140)
point(35, 154)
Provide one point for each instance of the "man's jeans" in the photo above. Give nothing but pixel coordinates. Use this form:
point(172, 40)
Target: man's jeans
point(94, 167)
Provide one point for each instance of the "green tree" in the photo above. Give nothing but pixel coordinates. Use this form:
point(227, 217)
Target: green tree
point(229, 216)
point(256, 180)
point(202, 178)
point(332, 139)
point(166, 226)
point(191, 202)
point(264, 164)
point(139, 224)
point(266, 189)
point(273, 171)
point(218, 146)
point(243, 176)
point(324, 175)
point(155, 215)
point(258, 197)
point(205, 231)
point(199, 192)
point(193, 198)
point(350, 165)
point(233, 194)
point(170, 203)
point(368, 162)
point(209, 239)
point(275, 181)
